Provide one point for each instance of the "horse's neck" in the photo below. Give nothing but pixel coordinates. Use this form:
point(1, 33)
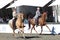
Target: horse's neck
point(44, 17)
point(19, 19)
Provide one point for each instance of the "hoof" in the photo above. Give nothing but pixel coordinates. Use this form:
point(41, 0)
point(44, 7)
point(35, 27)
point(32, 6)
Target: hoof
point(28, 28)
point(40, 33)
point(18, 32)
point(14, 35)
point(23, 26)
point(50, 31)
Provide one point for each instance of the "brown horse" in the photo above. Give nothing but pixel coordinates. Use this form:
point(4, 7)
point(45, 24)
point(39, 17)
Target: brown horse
point(32, 22)
point(18, 24)
point(41, 22)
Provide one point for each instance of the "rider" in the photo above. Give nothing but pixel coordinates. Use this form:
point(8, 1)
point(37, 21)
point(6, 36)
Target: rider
point(14, 14)
point(38, 14)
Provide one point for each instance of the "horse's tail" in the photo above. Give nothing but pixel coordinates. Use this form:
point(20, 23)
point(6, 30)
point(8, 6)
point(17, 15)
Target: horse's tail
point(10, 23)
point(29, 24)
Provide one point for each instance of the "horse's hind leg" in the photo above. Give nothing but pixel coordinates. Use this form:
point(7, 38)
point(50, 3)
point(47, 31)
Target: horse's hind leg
point(48, 28)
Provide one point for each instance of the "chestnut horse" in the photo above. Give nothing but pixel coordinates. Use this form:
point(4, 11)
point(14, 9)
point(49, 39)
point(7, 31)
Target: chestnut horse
point(41, 22)
point(18, 24)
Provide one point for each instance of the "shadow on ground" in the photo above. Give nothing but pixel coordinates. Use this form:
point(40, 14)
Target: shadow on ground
point(28, 37)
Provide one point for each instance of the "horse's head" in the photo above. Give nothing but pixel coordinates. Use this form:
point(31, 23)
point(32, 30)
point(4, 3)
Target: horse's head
point(20, 15)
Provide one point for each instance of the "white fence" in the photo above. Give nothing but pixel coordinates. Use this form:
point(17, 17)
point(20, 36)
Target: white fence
point(55, 28)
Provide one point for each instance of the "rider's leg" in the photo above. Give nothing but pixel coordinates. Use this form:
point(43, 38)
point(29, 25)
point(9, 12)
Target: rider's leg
point(36, 20)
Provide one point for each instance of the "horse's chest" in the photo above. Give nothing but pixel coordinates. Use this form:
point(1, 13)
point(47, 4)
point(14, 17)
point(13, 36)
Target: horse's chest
point(19, 22)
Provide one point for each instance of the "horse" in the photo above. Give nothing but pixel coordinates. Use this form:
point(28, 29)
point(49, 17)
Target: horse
point(31, 21)
point(18, 24)
point(41, 22)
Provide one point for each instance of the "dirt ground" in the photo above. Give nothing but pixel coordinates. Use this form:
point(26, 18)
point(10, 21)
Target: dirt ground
point(9, 36)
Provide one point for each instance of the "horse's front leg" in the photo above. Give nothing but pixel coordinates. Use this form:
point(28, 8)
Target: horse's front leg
point(14, 33)
point(31, 30)
point(48, 28)
point(23, 32)
point(41, 29)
